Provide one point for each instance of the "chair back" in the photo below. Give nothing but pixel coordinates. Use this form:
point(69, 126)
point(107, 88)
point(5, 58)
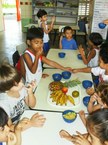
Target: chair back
point(21, 48)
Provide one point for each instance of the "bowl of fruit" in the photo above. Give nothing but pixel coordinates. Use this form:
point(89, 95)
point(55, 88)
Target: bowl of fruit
point(69, 116)
point(57, 77)
point(87, 84)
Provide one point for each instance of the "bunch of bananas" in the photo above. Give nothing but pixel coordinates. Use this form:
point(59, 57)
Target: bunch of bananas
point(61, 98)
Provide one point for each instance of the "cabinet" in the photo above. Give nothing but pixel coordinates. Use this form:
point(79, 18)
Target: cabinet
point(66, 11)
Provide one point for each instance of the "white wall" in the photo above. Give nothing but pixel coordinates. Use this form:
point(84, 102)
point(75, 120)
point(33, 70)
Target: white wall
point(1, 18)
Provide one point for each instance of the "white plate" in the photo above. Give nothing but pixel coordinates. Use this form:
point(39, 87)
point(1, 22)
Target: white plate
point(69, 105)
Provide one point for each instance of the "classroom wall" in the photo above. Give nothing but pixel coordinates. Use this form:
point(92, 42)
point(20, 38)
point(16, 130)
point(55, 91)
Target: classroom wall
point(1, 18)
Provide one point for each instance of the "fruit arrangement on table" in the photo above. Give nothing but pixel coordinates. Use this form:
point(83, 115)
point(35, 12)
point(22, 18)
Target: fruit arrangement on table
point(65, 94)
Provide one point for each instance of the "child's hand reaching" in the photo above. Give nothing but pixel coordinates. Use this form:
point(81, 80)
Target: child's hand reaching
point(37, 120)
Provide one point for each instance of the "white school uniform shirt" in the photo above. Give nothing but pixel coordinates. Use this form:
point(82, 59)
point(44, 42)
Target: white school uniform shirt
point(95, 60)
point(38, 74)
point(46, 36)
point(13, 106)
point(97, 71)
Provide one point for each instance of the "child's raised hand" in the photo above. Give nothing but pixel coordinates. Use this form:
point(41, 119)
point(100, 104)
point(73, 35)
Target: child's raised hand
point(11, 139)
point(93, 98)
point(37, 120)
point(53, 19)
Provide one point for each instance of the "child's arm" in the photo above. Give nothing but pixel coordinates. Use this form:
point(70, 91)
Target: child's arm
point(60, 42)
point(105, 21)
point(91, 107)
point(84, 70)
point(30, 100)
point(54, 64)
point(50, 27)
point(89, 57)
point(82, 116)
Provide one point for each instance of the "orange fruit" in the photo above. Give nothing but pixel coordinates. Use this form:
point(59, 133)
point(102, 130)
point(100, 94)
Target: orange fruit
point(64, 90)
point(75, 94)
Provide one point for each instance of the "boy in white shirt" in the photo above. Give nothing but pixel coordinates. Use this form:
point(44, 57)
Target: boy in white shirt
point(42, 15)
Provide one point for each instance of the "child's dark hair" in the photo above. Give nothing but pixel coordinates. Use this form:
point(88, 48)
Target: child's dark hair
point(97, 123)
point(33, 33)
point(96, 38)
point(8, 77)
point(41, 13)
point(3, 118)
point(67, 28)
point(104, 52)
point(102, 90)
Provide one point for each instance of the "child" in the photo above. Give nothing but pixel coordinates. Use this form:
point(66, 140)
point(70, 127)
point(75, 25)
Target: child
point(101, 97)
point(5, 134)
point(33, 56)
point(13, 136)
point(98, 100)
point(67, 42)
point(13, 94)
point(97, 127)
point(102, 70)
point(92, 59)
point(42, 15)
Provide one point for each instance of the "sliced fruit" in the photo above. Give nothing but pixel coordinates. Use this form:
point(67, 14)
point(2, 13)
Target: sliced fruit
point(75, 94)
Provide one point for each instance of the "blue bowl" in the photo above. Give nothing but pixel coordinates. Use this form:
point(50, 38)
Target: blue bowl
point(69, 116)
point(102, 25)
point(87, 84)
point(61, 54)
point(79, 56)
point(57, 77)
point(66, 74)
point(86, 100)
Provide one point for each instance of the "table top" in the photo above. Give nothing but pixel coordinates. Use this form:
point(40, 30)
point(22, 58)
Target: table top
point(49, 133)
point(70, 60)
point(42, 92)
point(56, 26)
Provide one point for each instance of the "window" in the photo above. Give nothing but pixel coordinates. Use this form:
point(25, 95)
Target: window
point(83, 8)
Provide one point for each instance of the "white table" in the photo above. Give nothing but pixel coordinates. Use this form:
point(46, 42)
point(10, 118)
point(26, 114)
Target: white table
point(49, 133)
point(69, 60)
point(42, 92)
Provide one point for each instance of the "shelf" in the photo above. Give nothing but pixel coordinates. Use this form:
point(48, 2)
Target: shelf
point(62, 9)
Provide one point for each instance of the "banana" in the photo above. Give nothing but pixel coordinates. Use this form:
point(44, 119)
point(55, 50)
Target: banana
point(65, 99)
point(71, 99)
